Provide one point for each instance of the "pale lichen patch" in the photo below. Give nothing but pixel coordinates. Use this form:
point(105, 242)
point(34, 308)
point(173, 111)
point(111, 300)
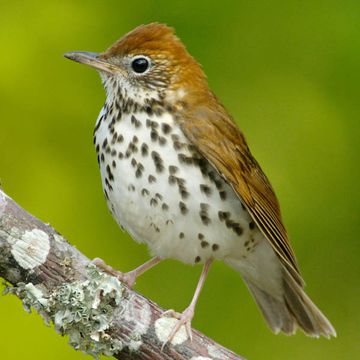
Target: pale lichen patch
point(3, 201)
point(59, 239)
point(216, 353)
point(200, 358)
point(163, 328)
point(139, 313)
point(13, 235)
point(31, 249)
point(83, 310)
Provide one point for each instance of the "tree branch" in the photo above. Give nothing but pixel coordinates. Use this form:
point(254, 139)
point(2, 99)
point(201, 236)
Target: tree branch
point(98, 313)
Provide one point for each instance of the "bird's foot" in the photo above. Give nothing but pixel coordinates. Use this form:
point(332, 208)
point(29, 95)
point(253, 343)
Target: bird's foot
point(128, 278)
point(183, 319)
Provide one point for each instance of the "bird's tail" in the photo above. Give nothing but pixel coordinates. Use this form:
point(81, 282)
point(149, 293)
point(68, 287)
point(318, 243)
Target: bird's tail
point(290, 308)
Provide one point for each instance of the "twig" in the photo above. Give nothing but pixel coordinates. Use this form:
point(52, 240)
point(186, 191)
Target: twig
point(99, 314)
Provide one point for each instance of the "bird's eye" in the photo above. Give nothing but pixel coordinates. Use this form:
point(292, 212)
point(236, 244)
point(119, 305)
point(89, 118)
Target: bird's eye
point(140, 64)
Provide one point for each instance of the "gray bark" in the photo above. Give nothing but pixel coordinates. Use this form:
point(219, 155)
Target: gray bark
point(98, 313)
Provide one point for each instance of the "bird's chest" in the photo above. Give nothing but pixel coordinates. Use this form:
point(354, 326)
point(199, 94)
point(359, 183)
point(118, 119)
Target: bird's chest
point(163, 192)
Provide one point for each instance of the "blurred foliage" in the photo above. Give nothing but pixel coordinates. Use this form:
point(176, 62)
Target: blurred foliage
point(289, 72)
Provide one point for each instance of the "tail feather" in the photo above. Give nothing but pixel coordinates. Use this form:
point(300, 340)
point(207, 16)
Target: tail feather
point(291, 310)
point(307, 315)
point(274, 310)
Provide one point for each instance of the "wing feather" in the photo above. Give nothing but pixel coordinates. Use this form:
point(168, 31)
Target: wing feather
point(215, 135)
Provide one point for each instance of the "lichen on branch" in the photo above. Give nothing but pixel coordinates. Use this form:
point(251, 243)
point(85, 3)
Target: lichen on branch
point(98, 313)
point(83, 310)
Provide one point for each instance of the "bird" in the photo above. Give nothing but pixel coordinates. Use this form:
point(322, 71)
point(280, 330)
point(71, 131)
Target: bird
point(177, 174)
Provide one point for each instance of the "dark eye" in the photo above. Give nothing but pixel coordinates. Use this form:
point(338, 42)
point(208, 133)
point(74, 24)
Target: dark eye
point(140, 65)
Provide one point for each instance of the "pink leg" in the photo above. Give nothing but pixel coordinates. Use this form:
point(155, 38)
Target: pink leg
point(188, 314)
point(129, 278)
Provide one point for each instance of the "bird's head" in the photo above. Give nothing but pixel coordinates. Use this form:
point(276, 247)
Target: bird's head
point(150, 62)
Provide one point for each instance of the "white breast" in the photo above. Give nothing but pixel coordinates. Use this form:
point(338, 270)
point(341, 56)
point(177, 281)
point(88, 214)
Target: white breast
point(161, 196)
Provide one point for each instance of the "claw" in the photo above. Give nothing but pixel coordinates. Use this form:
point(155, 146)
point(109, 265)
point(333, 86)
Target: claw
point(171, 313)
point(128, 278)
point(183, 319)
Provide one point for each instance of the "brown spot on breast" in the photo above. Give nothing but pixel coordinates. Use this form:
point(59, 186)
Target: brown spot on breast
point(178, 145)
point(162, 140)
point(153, 202)
point(106, 194)
point(172, 179)
point(222, 194)
point(154, 135)
point(159, 165)
point(108, 184)
point(173, 169)
point(215, 247)
point(166, 128)
point(204, 214)
point(205, 189)
point(132, 148)
point(182, 190)
point(151, 179)
point(135, 121)
point(183, 208)
point(184, 159)
point(237, 229)
point(205, 219)
point(138, 172)
point(223, 215)
point(110, 174)
point(144, 149)
point(151, 124)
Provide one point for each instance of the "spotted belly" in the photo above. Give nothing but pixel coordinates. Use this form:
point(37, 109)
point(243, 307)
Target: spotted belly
point(165, 194)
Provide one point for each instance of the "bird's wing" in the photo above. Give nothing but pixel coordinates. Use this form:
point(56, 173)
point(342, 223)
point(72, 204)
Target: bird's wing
point(219, 140)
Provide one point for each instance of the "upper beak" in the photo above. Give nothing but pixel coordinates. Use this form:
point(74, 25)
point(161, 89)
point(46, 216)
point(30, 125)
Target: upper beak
point(93, 60)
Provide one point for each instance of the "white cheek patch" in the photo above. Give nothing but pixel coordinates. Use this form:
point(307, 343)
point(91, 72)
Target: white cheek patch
point(31, 249)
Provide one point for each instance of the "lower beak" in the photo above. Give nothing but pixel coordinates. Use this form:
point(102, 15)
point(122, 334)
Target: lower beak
point(93, 60)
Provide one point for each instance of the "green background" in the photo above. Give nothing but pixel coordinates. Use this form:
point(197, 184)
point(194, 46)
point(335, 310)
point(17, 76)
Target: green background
point(289, 72)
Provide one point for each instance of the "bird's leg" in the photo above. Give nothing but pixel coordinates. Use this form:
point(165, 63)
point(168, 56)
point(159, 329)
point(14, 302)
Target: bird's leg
point(188, 314)
point(129, 278)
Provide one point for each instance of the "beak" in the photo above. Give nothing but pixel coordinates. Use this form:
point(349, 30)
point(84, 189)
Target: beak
point(94, 60)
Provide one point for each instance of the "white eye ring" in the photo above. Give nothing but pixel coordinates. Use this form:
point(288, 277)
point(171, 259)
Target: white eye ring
point(140, 64)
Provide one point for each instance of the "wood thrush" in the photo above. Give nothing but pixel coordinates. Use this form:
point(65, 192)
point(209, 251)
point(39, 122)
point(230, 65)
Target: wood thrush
point(178, 175)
